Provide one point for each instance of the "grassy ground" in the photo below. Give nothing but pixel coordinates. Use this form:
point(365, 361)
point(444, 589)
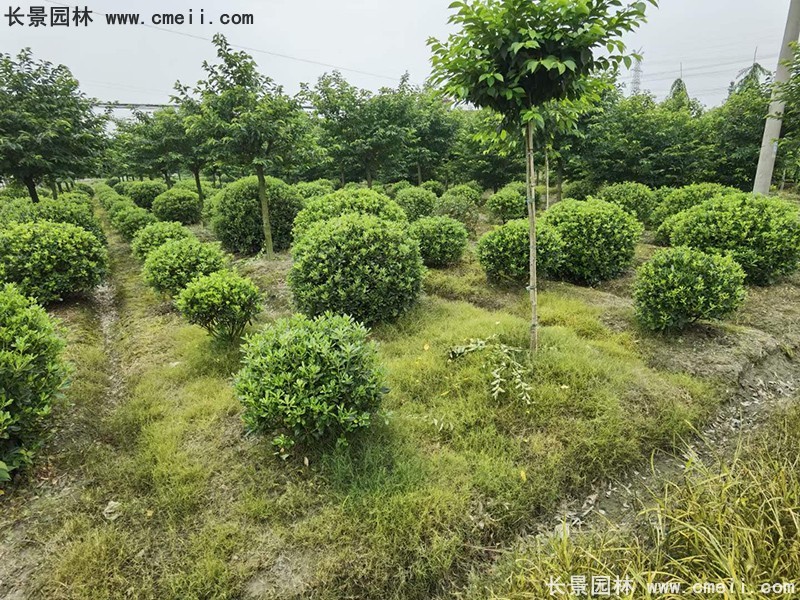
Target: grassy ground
point(162, 494)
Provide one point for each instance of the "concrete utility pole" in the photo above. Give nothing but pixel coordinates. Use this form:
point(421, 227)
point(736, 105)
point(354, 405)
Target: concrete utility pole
point(772, 130)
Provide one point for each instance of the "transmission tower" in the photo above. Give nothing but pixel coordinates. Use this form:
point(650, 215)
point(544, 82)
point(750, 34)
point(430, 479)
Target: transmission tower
point(636, 85)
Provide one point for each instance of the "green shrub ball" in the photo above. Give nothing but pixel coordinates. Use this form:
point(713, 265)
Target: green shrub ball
point(236, 220)
point(599, 239)
point(224, 303)
point(507, 204)
point(360, 201)
point(32, 372)
point(442, 240)
point(437, 187)
point(170, 267)
point(678, 286)
point(674, 201)
point(143, 193)
point(310, 380)
point(635, 198)
point(130, 219)
point(155, 235)
point(762, 234)
point(460, 203)
point(49, 261)
point(179, 205)
point(359, 265)
point(504, 253)
point(417, 202)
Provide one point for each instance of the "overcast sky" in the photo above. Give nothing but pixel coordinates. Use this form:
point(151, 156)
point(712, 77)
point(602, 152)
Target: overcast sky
point(373, 42)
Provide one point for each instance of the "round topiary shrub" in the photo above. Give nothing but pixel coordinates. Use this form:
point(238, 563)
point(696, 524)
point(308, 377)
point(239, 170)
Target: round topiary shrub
point(460, 203)
point(677, 200)
point(131, 219)
point(32, 373)
point(171, 266)
point(416, 202)
point(359, 265)
point(17, 210)
point(361, 201)
point(308, 380)
point(504, 253)
point(678, 286)
point(179, 205)
point(580, 189)
point(117, 205)
point(144, 192)
point(314, 189)
point(507, 204)
point(154, 235)
point(762, 234)
point(599, 239)
point(223, 303)
point(636, 198)
point(51, 260)
point(121, 187)
point(237, 216)
point(64, 211)
point(442, 240)
point(392, 189)
point(437, 187)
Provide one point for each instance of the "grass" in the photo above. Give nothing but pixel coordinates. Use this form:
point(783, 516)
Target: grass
point(735, 522)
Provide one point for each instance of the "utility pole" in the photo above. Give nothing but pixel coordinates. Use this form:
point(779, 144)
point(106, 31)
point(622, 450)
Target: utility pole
point(636, 86)
point(772, 129)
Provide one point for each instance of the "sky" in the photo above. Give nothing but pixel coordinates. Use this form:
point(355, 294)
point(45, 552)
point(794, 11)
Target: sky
point(373, 42)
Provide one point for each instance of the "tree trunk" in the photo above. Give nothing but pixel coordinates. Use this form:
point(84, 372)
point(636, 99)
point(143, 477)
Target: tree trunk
point(196, 173)
point(31, 185)
point(369, 179)
point(54, 189)
point(559, 181)
point(269, 252)
point(546, 179)
point(530, 171)
point(342, 177)
point(61, 189)
point(419, 173)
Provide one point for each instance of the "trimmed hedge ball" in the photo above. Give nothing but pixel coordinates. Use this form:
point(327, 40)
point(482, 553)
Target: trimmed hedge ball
point(442, 240)
point(170, 267)
point(392, 189)
point(504, 253)
point(237, 222)
point(143, 192)
point(49, 261)
point(636, 198)
point(179, 205)
point(580, 189)
point(314, 189)
point(362, 201)
point(224, 303)
point(675, 201)
point(460, 203)
point(65, 211)
point(309, 380)
point(679, 286)
point(85, 188)
point(17, 210)
point(416, 202)
point(129, 220)
point(154, 235)
point(599, 239)
point(32, 373)
point(507, 204)
point(437, 187)
point(358, 265)
point(761, 233)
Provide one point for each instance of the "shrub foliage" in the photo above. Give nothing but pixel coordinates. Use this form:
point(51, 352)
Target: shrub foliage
point(32, 372)
point(636, 198)
point(51, 260)
point(762, 234)
point(142, 192)
point(179, 205)
point(305, 380)
point(171, 266)
point(224, 303)
point(417, 202)
point(442, 240)
point(361, 201)
point(156, 234)
point(674, 201)
point(599, 239)
point(358, 265)
point(681, 285)
point(507, 204)
point(504, 252)
point(460, 203)
point(129, 219)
